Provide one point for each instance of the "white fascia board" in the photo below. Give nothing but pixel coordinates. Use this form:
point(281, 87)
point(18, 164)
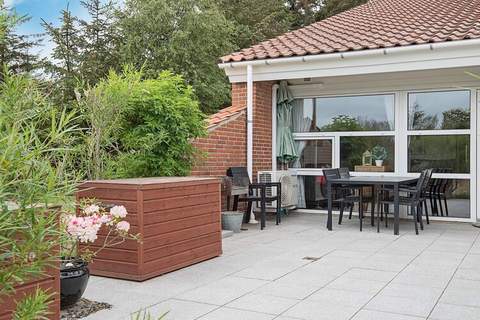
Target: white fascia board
point(455, 54)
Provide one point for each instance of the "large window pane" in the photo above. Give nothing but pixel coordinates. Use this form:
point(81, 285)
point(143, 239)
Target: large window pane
point(439, 110)
point(353, 148)
point(458, 199)
point(315, 154)
point(450, 152)
point(314, 192)
point(452, 199)
point(353, 113)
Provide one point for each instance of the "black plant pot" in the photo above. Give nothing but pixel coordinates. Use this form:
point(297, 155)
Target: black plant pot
point(74, 275)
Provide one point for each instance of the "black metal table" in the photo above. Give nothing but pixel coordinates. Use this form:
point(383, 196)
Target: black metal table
point(393, 181)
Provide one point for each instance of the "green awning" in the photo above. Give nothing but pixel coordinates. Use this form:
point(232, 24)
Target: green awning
point(286, 151)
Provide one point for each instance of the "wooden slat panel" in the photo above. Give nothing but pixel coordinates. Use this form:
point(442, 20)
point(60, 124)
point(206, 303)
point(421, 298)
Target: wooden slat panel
point(162, 252)
point(164, 264)
point(118, 254)
point(113, 266)
point(181, 202)
point(175, 214)
point(156, 194)
point(181, 235)
point(108, 194)
point(181, 224)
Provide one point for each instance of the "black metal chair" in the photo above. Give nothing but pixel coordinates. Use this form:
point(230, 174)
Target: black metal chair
point(438, 192)
point(344, 196)
point(345, 173)
point(413, 199)
point(243, 190)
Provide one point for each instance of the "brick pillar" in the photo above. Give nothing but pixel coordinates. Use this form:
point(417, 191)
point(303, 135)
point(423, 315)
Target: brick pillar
point(262, 121)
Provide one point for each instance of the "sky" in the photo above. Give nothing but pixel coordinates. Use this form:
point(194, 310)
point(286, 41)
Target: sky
point(49, 10)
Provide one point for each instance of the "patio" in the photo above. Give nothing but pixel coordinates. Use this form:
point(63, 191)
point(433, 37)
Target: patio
point(299, 270)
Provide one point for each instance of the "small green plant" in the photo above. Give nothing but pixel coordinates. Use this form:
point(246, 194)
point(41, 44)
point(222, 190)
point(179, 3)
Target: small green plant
point(34, 306)
point(145, 315)
point(379, 153)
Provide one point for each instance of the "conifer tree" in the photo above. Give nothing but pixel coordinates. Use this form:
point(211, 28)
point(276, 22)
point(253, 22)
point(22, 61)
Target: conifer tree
point(98, 40)
point(16, 50)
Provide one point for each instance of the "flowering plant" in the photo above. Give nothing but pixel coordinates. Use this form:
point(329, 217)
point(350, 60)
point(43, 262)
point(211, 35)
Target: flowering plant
point(83, 228)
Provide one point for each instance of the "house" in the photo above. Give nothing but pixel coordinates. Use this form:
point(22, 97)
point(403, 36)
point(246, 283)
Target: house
point(390, 73)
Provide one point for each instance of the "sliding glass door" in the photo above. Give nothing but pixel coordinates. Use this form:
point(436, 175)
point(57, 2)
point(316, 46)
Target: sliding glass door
point(439, 136)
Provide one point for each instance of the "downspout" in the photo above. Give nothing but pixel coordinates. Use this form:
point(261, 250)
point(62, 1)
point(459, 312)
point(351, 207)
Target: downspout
point(250, 121)
point(250, 131)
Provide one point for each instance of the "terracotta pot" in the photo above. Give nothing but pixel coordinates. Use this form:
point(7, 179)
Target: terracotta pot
point(74, 275)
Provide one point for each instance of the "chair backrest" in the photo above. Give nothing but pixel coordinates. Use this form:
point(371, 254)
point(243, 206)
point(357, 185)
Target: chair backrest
point(239, 176)
point(420, 185)
point(344, 172)
point(329, 174)
point(428, 179)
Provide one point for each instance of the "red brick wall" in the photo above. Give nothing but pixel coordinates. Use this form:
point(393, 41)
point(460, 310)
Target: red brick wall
point(262, 127)
point(226, 144)
point(224, 147)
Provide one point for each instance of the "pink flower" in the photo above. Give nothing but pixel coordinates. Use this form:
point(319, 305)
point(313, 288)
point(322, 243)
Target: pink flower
point(91, 209)
point(123, 226)
point(84, 229)
point(106, 218)
point(118, 211)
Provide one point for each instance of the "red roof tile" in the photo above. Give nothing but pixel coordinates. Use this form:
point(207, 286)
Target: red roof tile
point(376, 24)
point(223, 115)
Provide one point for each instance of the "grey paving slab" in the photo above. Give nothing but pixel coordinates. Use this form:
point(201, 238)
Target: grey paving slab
point(461, 296)
point(180, 310)
point(263, 303)
point(235, 314)
point(341, 297)
point(444, 311)
point(360, 285)
point(369, 274)
point(298, 270)
point(320, 310)
point(287, 290)
point(379, 315)
point(413, 306)
point(222, 291)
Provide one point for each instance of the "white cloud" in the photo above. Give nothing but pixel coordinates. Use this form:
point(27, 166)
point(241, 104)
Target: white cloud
point(12, 3)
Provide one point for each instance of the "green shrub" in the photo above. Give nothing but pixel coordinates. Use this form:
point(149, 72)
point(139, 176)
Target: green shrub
point(138, 128)
point(103, 109)
point(160, 121)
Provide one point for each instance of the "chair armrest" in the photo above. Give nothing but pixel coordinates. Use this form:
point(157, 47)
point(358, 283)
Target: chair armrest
point(256, 185)
point(266, 184)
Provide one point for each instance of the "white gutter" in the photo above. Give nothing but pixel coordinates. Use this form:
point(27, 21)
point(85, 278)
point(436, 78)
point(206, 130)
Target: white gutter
point(354, 54)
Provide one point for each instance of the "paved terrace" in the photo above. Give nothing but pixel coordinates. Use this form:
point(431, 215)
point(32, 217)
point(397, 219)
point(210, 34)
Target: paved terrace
point(301, 271)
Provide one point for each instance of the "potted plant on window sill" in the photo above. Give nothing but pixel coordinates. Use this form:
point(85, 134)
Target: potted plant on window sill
point(80, 244)
point(379, 154)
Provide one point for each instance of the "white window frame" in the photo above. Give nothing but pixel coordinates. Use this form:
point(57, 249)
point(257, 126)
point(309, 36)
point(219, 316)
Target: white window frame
point(401, 134)
point(337, 135)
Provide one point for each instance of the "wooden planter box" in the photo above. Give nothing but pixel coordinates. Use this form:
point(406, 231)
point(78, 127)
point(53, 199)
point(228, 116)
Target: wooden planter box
point(50, 283)
point(178, 219)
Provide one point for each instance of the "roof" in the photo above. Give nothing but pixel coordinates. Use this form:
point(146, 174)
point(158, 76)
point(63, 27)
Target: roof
point(224, 115)
point(376, 24)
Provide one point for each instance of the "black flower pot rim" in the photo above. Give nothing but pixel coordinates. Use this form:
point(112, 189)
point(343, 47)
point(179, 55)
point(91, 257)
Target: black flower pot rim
point(78, 264)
